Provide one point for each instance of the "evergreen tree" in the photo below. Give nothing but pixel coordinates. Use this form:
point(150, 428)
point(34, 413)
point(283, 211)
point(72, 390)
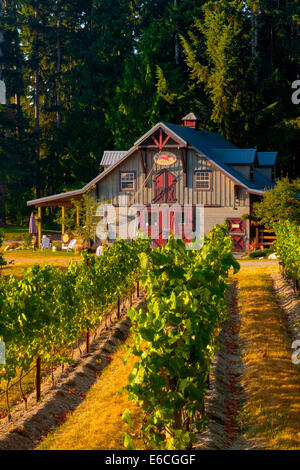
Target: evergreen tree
point(152, 86)
point(86, 75)
point(15, 148)
point(245, 55)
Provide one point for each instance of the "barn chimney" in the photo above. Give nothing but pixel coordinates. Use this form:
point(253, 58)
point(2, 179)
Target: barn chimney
point(191, 120)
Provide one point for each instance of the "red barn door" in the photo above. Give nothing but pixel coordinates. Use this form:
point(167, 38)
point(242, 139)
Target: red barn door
point(164, 187)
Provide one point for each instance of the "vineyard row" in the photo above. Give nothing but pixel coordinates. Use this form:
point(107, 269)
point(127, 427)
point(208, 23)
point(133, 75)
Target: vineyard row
point(44, 314)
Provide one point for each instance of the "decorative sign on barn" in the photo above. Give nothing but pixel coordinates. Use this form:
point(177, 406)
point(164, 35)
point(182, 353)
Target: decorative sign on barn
point(165, 158)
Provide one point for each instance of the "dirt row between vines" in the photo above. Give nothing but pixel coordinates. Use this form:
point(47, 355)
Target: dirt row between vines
point(229, 427)
point(289, 303)
point(225, 393)
point(26, 428)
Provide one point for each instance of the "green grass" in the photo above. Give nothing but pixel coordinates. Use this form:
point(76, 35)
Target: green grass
point(15, 232)
point(28, 254)
point(25, 258)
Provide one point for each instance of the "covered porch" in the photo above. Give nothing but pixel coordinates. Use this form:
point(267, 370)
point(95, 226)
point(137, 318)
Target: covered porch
point(62, 200)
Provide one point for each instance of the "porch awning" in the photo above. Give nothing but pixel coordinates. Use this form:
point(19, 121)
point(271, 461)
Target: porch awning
point(61, 199)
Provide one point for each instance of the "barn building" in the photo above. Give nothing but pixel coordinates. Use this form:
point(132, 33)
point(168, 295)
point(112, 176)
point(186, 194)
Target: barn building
point(179, 166)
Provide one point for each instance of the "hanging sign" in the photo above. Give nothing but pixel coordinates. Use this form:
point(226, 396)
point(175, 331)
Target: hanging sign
point(165, 158)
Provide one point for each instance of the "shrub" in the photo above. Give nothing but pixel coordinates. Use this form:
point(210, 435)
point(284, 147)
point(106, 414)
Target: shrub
point(2, 261)
point(261, 253)
point(279, 204)
point(27, 239)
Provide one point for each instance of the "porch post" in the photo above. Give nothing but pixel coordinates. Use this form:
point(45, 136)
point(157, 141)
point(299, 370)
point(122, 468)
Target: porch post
point(39, 226)
point(77, 215)
point(63, 213)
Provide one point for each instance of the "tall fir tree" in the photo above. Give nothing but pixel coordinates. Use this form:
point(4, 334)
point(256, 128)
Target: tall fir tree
point(245, 56)
point(15, 147)
point(154, 79)
point(86, 75)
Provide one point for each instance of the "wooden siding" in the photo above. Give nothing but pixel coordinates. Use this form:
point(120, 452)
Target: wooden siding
point(220, 195)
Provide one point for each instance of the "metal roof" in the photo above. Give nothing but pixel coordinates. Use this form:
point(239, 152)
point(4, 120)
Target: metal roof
point(204, 142)
point(267, 158)
point(110, 157)
point(200, 138)
point(236, 156)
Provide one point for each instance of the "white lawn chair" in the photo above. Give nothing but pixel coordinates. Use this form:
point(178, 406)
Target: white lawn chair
point(69, 246)
point(45, 243)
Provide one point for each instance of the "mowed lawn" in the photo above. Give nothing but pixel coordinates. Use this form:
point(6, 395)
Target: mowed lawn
point(16, 232)
point(18, 260)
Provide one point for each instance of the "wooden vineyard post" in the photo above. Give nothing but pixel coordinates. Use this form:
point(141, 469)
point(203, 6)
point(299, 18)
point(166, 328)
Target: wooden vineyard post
point(138, 289)
point(38, 379)
point(21, 389)
point(39, 227)
point(63, 215)
point(118, 308)
point(7, 401)
point(87, 340)
point(257, 235)
point(87, 327)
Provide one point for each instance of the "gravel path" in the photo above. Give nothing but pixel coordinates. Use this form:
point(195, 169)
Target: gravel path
point(264, 263)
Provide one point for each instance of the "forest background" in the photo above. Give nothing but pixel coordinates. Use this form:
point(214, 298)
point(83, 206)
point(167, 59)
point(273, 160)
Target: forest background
point(86, 76)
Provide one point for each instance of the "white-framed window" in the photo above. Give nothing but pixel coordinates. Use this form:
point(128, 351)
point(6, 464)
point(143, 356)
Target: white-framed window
point(127, 180)
point(202, 180)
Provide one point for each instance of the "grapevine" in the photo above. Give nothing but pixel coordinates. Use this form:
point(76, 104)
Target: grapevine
point(44, 314)
point(176, 338)
point(288, 248)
